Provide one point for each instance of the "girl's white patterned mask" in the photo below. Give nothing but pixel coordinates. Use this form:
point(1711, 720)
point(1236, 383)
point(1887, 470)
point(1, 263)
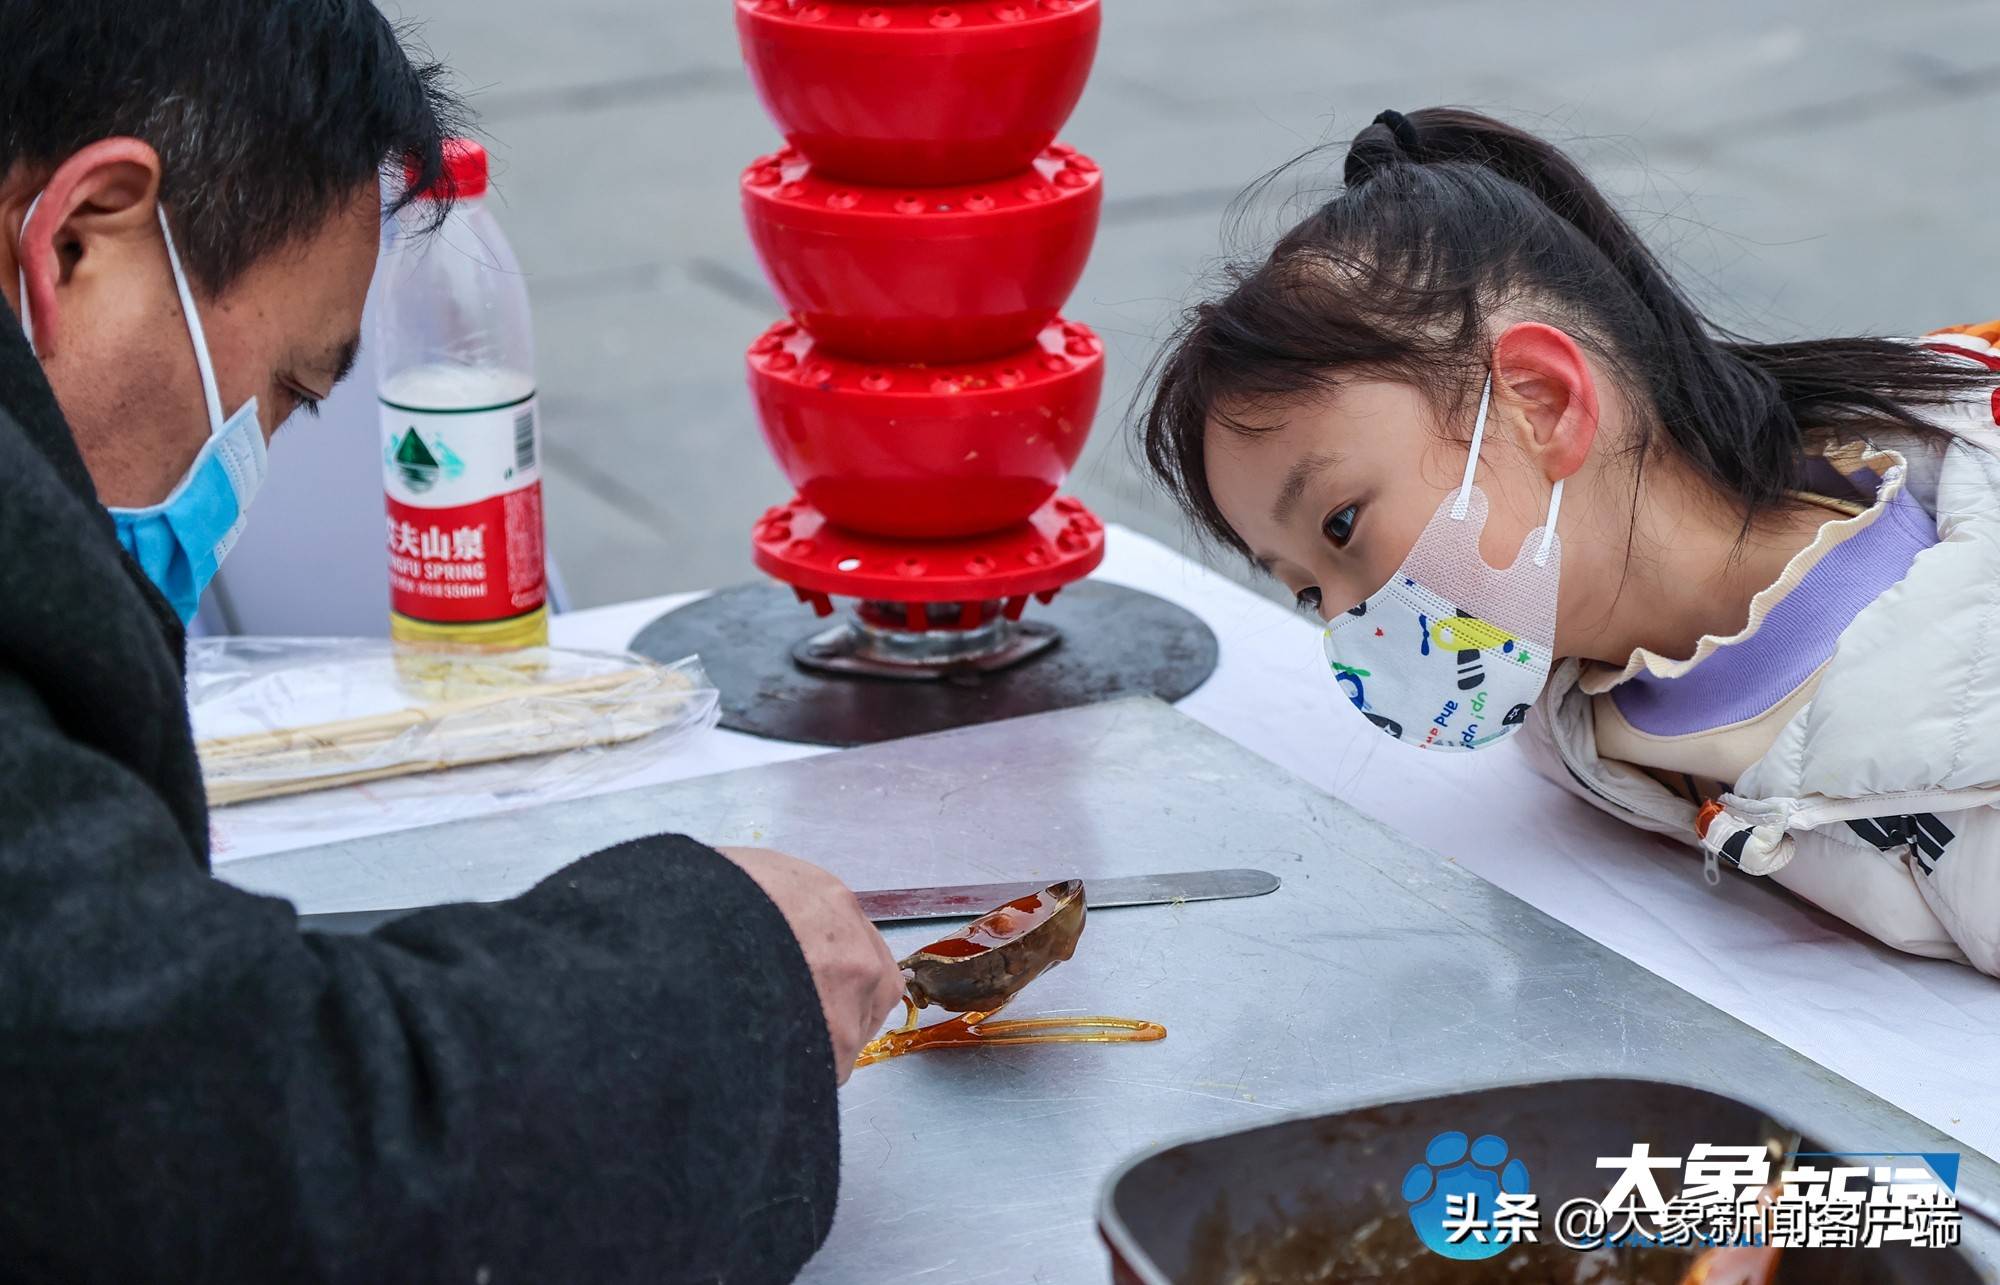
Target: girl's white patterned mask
point(1451, 653)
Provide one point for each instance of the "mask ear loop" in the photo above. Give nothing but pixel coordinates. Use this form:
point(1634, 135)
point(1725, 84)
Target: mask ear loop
point(1549, 527)
point(1463, 500)
point(209, 392)
point(21, 278)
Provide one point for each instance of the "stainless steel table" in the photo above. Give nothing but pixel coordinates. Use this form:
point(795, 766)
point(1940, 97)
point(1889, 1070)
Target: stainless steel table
point(1378, 968)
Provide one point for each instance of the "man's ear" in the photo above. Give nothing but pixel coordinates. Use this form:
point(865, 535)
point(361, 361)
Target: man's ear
point(94, 208)
point(1543, 383)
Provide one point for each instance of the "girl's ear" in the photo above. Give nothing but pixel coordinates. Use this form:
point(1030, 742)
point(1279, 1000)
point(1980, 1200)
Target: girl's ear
point(1543, 384)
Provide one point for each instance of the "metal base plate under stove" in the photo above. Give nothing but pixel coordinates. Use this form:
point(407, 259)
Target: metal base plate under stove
point(1112, 642)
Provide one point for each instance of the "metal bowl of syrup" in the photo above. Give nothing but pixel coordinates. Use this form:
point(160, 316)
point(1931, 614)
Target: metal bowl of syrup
point(1317, 1198)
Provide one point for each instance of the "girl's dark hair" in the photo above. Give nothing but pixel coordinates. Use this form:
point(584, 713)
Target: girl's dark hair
point(1447, 215)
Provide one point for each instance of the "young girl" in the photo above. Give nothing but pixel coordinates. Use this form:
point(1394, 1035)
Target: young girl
point(1744, 594)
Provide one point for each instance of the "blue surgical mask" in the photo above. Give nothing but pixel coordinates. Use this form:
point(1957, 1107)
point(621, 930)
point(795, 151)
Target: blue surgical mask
point(181, 541)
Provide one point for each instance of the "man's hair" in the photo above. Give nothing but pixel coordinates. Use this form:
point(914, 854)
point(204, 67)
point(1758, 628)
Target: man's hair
point(266, 114)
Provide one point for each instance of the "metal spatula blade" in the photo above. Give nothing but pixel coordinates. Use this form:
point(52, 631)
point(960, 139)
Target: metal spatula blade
point(900, 905)
point(908, 905)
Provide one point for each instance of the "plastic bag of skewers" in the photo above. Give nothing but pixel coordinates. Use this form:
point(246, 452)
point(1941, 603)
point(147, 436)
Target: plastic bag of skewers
point(362, 720)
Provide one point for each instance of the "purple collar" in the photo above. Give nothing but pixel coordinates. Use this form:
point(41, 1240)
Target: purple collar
point(1741, 680)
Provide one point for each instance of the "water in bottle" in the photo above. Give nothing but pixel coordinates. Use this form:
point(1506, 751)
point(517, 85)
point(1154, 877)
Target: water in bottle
point(461, 438)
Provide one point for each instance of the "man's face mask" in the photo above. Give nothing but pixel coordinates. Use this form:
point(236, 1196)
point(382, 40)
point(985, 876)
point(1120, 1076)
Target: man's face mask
point(1450, 654)
point(181, 541)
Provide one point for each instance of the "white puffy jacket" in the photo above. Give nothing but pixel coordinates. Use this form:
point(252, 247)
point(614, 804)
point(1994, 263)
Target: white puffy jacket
point(1880, 800)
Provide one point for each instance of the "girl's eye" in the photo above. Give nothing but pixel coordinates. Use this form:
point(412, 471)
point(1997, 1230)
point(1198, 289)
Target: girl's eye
point(1339, 527)
point(1308, 600)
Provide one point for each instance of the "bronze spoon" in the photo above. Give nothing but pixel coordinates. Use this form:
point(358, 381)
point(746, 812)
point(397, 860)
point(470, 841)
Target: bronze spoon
point(977, 969)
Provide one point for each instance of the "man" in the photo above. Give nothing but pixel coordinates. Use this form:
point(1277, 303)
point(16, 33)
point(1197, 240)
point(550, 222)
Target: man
point(627, 1073)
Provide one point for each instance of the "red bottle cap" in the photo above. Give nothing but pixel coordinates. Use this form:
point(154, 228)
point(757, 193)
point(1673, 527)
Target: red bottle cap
point(464, 171)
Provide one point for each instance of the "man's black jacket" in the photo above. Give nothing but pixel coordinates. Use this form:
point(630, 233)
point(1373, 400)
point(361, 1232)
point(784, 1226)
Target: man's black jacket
point(622, 1075)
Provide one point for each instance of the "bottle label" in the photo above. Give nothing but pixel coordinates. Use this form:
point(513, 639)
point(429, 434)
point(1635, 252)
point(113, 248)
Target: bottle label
point(464, 494)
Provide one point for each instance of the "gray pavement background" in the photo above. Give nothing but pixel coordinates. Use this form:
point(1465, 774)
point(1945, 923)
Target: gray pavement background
point(1814, 166)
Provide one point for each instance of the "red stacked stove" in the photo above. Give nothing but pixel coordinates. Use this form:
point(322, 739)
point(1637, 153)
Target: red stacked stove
point(923, 228)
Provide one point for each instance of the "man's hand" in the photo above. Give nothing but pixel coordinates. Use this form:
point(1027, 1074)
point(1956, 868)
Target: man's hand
point(851, 965)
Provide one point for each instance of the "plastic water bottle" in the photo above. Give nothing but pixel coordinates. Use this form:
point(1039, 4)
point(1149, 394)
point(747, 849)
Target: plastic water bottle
point(461, 439)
